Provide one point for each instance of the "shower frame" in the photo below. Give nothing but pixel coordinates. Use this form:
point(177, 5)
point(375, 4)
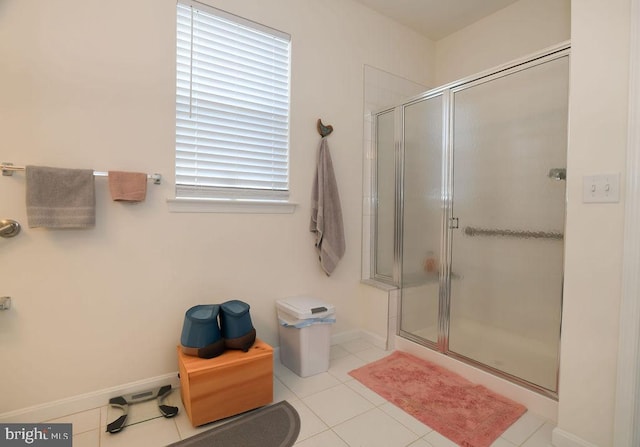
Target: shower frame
point(444, 279)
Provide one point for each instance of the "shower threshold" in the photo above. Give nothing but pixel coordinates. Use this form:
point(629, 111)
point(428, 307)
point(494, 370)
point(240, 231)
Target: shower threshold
point(516, 356)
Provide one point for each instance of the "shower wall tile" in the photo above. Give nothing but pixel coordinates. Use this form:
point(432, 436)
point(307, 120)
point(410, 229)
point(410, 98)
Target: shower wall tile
point(381, 89)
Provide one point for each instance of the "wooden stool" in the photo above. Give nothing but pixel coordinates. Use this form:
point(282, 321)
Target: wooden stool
point(227, 385)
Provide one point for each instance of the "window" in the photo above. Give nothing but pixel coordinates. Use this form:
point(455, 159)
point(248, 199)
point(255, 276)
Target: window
point(232, 107)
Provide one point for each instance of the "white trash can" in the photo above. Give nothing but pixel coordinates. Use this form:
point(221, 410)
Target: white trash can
point(305, 334)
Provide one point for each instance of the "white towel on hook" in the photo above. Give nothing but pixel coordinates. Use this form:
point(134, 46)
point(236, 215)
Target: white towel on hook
point(326, 212)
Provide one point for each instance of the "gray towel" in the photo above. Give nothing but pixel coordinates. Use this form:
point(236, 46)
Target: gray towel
point(60, 198)
point(326, 212)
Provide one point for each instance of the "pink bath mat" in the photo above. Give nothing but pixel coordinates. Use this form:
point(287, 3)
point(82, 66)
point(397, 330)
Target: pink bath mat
point(468, 414)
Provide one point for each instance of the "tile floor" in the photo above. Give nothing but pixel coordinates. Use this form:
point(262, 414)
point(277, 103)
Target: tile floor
point(335, 411)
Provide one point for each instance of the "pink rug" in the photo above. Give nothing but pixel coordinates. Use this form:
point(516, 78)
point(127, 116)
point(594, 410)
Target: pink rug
point(468, 414)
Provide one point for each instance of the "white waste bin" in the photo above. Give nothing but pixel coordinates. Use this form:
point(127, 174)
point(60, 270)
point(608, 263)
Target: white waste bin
point(305, 334)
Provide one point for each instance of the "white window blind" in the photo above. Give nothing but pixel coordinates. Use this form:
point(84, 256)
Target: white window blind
point(232, 107)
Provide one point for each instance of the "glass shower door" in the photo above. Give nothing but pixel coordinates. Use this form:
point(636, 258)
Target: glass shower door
point(385, 191)
point(509, 139)
point(422, 217)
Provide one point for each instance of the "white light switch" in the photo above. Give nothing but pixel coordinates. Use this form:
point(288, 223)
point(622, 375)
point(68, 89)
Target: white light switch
point(601, 188)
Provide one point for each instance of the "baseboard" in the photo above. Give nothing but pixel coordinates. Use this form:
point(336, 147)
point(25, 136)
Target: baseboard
point(561, 438)
point(100, 398)
point(84, 402)
point(346, 336)
point(375, 339)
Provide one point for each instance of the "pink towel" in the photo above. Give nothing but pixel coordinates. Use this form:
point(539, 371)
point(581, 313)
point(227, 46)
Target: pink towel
point(128, 186)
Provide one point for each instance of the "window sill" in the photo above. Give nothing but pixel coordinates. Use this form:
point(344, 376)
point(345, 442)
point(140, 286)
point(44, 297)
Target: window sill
point(230, 206)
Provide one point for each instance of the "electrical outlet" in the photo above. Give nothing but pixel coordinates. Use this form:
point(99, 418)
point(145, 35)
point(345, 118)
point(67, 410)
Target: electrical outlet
point(604, 188)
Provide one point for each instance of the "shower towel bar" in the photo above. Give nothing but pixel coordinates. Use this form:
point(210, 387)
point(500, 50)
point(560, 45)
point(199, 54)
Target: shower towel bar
point(471, 231)
point(9, 168)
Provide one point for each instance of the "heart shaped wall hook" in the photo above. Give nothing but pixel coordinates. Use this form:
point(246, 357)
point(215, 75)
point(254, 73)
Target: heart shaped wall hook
point(324, 130)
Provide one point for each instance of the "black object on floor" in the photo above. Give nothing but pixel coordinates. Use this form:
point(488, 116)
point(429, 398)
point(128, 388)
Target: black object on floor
point(276, 425)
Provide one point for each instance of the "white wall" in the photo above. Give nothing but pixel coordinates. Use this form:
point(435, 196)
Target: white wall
point(593, 270)
point(517, 30)
point(90, 84)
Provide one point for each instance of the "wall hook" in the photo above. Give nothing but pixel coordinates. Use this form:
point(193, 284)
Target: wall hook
point(324, 130)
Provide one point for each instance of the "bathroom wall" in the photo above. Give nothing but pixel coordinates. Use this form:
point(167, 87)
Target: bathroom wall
point(599, 33)
point(515, 31)
point(91, 85)
point(593, 258)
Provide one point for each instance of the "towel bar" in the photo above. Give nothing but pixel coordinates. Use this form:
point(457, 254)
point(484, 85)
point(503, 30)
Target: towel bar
point(472, 231)
point(8, 169)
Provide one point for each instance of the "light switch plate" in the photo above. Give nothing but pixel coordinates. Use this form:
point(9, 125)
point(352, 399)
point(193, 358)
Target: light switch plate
point(603, 188)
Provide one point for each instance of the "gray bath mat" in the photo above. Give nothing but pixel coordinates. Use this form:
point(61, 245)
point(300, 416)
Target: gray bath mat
point(277, 425)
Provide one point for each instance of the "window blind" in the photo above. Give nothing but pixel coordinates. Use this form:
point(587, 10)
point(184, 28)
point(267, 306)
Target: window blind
point(232, 107)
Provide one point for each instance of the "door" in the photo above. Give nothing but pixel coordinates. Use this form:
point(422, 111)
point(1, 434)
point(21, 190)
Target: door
point(509, 143)
point(422, 217)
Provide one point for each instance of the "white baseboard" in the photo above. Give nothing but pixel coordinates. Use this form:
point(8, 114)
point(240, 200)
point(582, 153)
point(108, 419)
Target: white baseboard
point(346, 336)
point(84, 402)
point(96, 399)
point(375, 339)
point(561, 438)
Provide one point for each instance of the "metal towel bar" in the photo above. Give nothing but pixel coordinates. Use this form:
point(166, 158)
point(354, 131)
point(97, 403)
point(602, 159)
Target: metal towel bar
point(471, 231)
point(8, 170)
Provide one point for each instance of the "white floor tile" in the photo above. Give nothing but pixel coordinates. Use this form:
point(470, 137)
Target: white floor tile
point(501, 442)
point(87, 439)
point(420, 443)
point(406, 419)
point(303, 387)
point(183, 424)
point(372, 354)
point(337, 404)
point(337, 352)
point(325, 439)
point(523, 428)
point(310, 424)
point(281, 392)
point(437, 440)
point(368, 394)
point(340, 367)
point(541, 438)
point(81, 422)
point(375, 428)
point(355, 346)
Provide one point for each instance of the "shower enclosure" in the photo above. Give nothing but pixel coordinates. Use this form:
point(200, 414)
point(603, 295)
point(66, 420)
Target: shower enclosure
point(471, 178)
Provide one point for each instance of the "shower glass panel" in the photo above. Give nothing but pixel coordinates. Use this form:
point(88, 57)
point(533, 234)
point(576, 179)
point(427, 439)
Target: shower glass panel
point(422, 217)
point(508, 132)
point(384, 196)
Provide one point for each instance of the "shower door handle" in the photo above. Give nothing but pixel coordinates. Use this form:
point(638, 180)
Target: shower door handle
point(453, 223)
